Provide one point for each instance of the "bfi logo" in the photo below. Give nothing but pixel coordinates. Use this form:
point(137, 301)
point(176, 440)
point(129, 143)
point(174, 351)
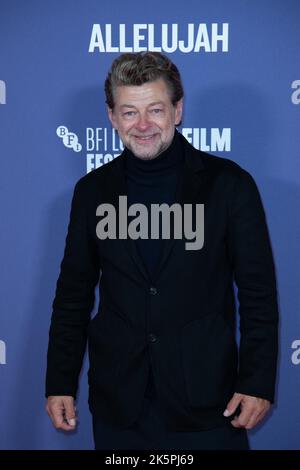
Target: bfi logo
point(69, 139)
point(2, 92)
point(2, 352)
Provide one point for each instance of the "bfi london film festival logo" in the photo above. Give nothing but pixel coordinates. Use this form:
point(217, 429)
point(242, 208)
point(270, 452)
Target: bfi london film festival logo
point(2, 352)
point(168, 38)
point(295, 358)
point(295, 97)
point(103, 144)
point(2, 92)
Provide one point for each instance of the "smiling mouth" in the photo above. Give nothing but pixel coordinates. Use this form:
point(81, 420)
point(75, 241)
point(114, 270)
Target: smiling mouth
point(144, 138)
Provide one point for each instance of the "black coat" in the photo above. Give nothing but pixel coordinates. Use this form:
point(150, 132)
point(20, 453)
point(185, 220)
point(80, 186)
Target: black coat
point(182, 322)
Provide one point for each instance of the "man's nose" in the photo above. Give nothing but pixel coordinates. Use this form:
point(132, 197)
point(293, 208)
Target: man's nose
point(143, 122)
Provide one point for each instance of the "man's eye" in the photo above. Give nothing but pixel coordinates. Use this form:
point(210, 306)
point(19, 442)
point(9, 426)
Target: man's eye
point(129, 113)
point(156, 110)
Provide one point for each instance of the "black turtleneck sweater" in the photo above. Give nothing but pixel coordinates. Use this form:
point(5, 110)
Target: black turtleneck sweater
point(153, 182)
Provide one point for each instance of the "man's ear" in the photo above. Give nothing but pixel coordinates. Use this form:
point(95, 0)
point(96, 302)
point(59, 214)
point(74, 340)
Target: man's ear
point(178, 111)
point(111, 117)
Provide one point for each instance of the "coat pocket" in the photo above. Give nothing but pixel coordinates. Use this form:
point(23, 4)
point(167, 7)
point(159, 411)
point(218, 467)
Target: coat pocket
point(209, 357)
point(109, 341)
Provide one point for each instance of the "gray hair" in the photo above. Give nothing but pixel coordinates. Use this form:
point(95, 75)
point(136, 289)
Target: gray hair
point(142, 67)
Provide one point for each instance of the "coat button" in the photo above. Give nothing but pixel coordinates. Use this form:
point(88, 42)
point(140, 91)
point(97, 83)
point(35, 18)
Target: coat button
point(153, 290)
point(152, 338)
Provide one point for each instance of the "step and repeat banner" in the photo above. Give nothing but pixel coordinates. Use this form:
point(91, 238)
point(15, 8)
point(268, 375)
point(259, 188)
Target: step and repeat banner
point(240, 66)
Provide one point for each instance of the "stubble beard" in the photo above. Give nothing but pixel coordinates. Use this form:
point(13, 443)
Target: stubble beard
point(149, 154)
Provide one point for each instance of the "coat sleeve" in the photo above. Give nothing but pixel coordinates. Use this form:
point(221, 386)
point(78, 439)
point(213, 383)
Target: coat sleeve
point(73, 302)
point(254, 275)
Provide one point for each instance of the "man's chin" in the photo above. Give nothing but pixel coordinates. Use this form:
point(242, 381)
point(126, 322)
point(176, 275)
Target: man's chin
point(144, 154)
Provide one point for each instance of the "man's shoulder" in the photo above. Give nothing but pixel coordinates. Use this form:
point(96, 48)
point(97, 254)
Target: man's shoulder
point(222, 165)
point(227, 174)
point(213, 163)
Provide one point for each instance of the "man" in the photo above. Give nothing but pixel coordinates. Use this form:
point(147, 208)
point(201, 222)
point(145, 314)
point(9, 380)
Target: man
point(165, 371)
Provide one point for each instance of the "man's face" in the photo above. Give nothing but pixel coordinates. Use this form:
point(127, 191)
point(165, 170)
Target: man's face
point(145, 118)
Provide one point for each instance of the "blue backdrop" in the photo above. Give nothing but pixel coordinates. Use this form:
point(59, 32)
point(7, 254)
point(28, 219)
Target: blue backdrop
point(240, 67)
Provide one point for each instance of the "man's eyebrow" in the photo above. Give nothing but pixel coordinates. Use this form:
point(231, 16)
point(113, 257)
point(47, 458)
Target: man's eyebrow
point(127, 106)
point(151, 104)
point(156, 102)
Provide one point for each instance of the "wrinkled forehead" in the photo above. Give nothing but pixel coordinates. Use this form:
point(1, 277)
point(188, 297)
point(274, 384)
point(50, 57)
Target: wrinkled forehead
point(142, 95)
